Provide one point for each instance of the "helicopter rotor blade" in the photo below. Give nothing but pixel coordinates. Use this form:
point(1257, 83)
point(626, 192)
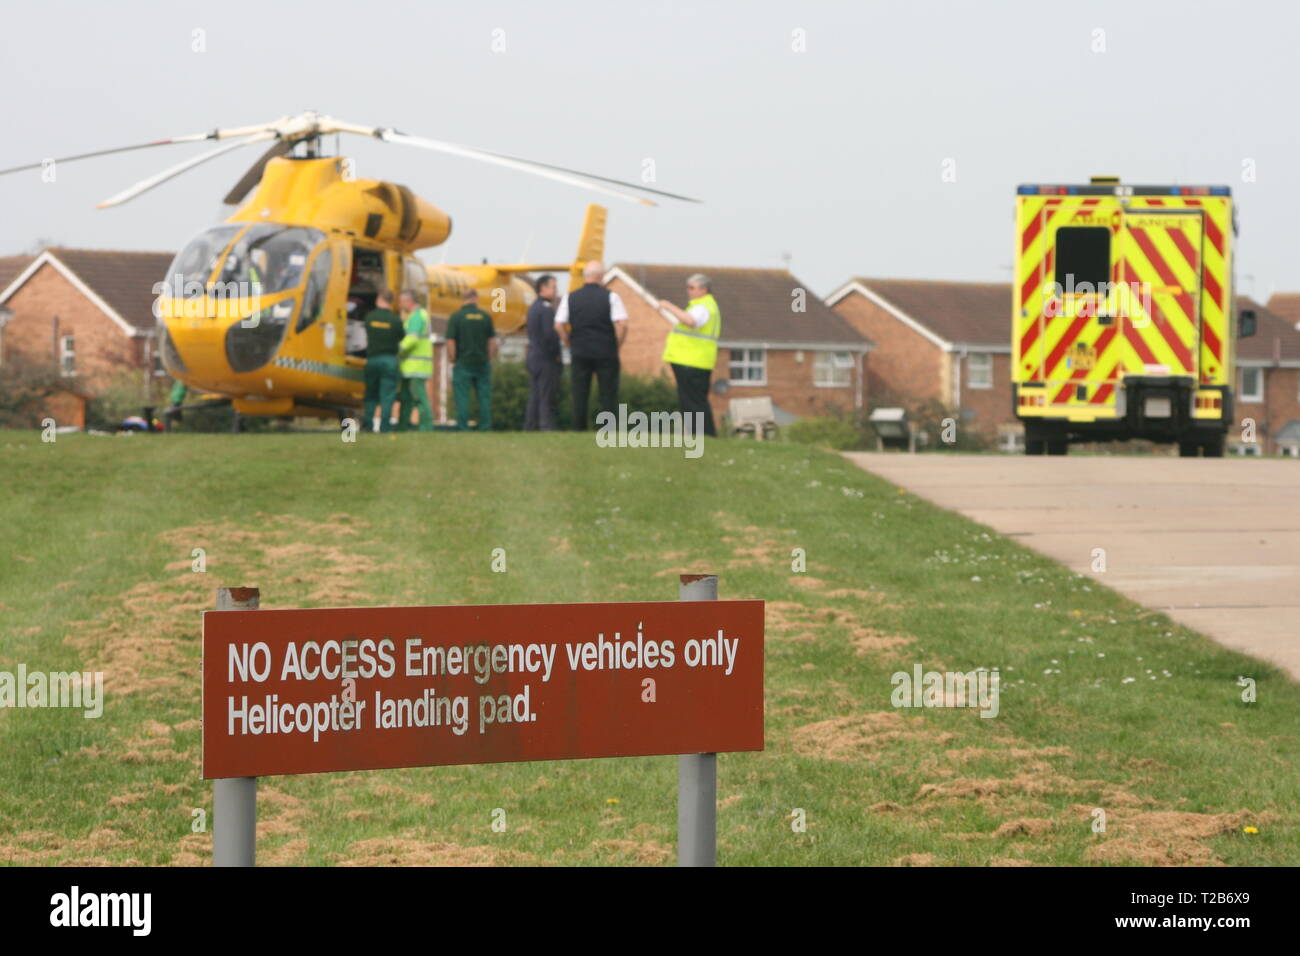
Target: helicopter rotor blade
point(254, 174)
point(559, 173)
point(147, 184)
point(107, 152)
point(603, 179)
point(290, 130)
point(190, 138)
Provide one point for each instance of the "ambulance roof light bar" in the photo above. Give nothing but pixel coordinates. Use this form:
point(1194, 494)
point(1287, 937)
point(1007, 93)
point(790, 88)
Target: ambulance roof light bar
point(1113, 189)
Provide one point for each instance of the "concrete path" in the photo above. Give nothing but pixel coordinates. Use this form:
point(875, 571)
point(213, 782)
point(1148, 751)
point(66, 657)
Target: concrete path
point(1213, 542)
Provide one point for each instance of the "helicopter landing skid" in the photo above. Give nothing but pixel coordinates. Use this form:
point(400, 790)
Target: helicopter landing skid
point(172, 413)
point(342, 411)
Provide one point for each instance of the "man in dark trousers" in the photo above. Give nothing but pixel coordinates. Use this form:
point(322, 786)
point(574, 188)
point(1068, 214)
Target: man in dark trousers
point(472, 344)
point(592, 321)
point(544, 360)
point(384, 333)
point(692, 347)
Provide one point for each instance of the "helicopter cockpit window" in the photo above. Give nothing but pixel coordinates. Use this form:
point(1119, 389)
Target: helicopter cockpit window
point(313, 300)
point(193, 265)
point(273, 257)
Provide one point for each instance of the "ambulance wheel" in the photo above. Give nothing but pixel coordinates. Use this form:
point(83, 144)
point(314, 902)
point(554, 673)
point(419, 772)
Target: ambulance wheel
point(1188, 449)
point(1213, 447)
point(1058, 446)
point(1035, 446)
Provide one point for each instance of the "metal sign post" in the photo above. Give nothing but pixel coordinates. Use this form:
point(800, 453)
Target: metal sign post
point(234, 799)
point(697, 774)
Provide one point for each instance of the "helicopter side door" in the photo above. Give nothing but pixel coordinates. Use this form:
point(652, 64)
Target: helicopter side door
point(367, 274)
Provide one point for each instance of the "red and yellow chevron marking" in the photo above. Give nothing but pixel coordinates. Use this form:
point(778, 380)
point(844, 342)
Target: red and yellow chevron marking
point(1170, 253)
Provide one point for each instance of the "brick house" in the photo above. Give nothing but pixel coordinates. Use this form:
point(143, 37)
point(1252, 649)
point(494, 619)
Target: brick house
point(88, 314)
point(1285, 304)
point(1268, 379)
point(948, 342)
point(778, 339)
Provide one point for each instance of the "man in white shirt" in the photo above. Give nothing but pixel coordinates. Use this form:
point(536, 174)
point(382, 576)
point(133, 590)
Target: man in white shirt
point(692, 347)
point(592, 322)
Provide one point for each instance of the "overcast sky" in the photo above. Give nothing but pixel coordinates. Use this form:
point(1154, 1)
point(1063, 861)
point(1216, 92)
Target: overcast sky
point(828, 145)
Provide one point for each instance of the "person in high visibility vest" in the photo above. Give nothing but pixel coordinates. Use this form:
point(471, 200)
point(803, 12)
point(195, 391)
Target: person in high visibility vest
point(692, 347)
point(415, 358)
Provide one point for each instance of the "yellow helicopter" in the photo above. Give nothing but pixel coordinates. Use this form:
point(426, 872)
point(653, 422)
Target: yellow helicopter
point(261, 311)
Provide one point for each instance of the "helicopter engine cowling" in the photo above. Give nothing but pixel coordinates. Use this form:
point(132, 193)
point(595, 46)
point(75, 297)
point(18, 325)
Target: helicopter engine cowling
point(320, 193)
point(389, 213)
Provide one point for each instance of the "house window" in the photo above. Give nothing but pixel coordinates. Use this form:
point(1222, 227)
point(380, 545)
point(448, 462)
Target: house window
point(1252, 385)
point(832, 369)
point(67, 355)
point(748, 367)
point(979, 370)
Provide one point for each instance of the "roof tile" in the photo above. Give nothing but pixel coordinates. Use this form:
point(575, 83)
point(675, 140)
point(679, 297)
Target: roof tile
point(1286, 304)
point(966, 313)
point(11, 267)
point(1275, 338)
point(756, 304)
point(124, 280)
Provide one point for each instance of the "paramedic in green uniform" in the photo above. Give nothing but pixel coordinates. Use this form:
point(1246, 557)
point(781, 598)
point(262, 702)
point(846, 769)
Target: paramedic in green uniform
point(416, 365)
point(173, 411)
point(472, 345)
point(384, 334)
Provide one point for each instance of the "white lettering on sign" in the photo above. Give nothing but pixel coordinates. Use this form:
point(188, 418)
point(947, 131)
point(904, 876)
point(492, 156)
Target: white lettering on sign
point(342, 662)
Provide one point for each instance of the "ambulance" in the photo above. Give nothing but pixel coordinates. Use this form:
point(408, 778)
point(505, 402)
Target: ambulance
point(1124, 323)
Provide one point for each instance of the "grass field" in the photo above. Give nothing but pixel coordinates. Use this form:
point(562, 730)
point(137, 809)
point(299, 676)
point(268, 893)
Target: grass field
point(1105, 704)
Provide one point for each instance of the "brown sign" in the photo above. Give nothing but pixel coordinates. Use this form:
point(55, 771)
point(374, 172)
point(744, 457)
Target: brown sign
point(308, 691)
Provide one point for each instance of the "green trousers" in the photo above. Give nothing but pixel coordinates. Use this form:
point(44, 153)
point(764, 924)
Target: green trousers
point(479, 378)
point(414, 392)
point(381, 388)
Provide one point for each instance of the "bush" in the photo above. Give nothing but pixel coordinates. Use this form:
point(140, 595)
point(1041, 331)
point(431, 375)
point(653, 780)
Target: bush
point(510, 397)
point(23, 391)
point(125, 394)
point(831, 432)
point(935, 419)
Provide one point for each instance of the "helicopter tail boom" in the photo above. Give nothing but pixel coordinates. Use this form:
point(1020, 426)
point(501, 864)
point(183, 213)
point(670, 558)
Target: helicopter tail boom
point(591, 248)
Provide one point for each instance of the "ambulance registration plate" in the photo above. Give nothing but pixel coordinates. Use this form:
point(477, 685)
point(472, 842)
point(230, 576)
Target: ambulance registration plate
point(1082, 356)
